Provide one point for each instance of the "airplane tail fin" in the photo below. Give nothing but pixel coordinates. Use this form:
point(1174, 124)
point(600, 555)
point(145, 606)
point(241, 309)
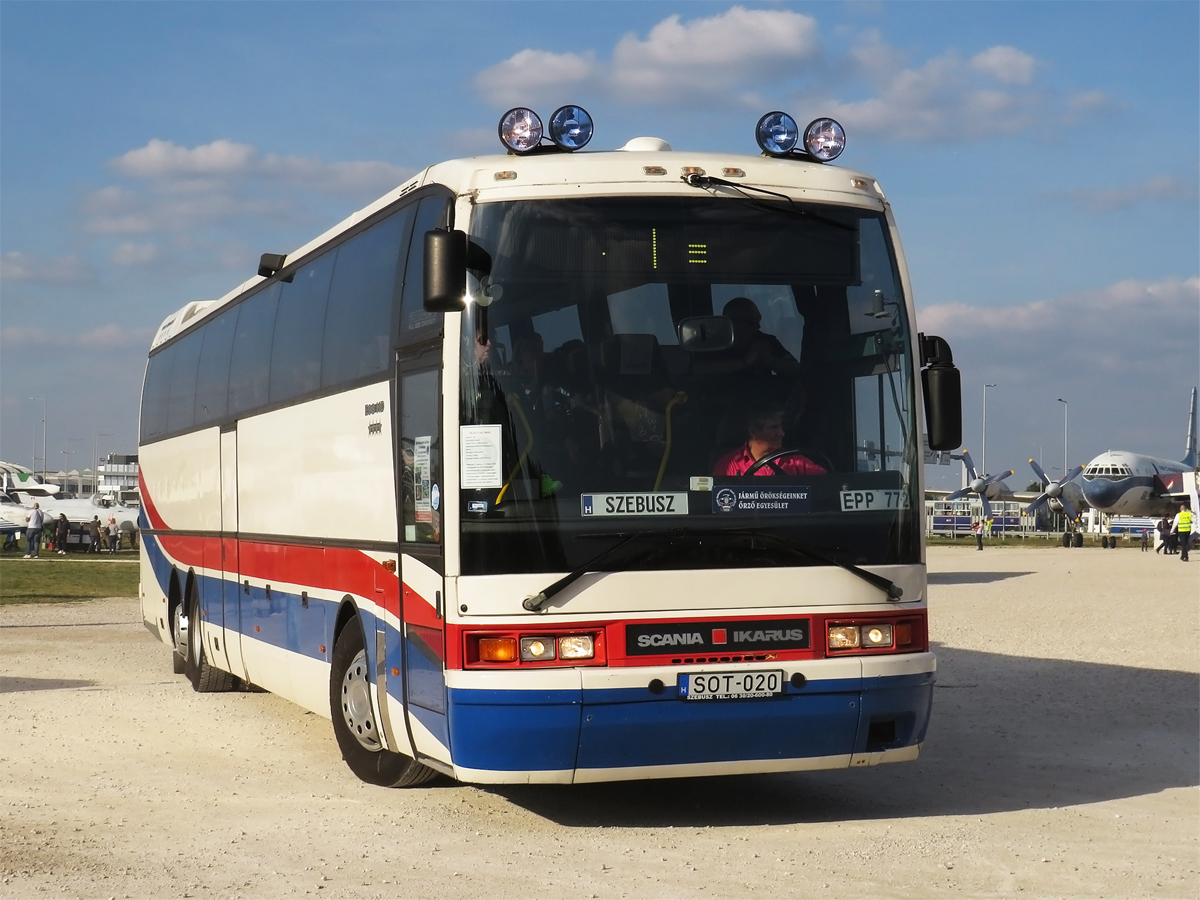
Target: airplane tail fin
point(1190, 459)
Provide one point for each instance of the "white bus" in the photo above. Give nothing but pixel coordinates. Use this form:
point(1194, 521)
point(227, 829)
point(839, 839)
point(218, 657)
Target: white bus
point(559, 466)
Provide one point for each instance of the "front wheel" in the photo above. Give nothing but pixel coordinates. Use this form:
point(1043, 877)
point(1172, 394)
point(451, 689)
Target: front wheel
point(354, 721)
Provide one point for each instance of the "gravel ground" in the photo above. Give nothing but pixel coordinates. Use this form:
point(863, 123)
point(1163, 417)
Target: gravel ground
point(1062, 762)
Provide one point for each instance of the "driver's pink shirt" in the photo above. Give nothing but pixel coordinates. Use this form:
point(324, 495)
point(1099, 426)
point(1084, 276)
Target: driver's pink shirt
point(739, 461)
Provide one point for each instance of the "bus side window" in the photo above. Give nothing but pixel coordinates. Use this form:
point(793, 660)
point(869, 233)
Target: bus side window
point(181, 403)
point(154, 395)
point(360, 302)
point(299, 330)
point(415, 323)
point(420, 452)
point(250, 367)
point(212, 383)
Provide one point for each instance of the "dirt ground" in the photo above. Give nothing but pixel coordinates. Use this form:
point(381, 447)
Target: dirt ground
point(1062, 761)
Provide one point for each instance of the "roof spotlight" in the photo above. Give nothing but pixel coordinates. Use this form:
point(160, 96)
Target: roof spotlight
point(777, 133)
point(571, 127)
point(824, 139)
point(520, 130)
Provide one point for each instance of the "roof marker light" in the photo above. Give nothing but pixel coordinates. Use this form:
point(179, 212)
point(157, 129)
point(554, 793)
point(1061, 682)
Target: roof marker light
point(520, 130)
point(777, 133)
point(571, 127)
point(824, 139)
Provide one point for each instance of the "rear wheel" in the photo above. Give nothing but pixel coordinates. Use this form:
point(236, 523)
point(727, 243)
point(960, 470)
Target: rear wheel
point(354, 722)
point(179, 632)
point(205, 678)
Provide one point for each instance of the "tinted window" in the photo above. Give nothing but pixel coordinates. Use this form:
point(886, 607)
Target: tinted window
point(420, 449)
point(250, 365)
point(212, 381)
point(415, 323)
point(360, 302)
point(154, 395)
point(299, 328)
point(181, 399)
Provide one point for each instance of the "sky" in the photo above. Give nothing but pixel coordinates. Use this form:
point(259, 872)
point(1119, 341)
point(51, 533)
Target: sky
point(1042, 160)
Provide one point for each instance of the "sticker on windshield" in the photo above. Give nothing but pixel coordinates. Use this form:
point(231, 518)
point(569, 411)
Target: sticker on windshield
point(862, 501)
point(765, 500)
point(654, 504)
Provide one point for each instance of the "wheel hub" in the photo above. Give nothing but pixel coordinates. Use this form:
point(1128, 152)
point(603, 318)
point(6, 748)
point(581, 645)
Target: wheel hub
point(356, 703)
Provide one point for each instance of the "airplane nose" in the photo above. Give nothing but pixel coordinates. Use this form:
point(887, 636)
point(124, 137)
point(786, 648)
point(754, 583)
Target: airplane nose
point(1101, 493)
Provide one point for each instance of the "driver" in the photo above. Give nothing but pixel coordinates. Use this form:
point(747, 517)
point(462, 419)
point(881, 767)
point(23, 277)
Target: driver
point(765, 427)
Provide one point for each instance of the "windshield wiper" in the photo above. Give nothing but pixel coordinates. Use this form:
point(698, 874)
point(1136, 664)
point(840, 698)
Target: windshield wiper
point(535, 602)
point(704, 181)
point(889, 587)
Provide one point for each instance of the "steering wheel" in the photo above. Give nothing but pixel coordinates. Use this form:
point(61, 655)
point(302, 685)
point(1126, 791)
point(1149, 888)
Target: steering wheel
point(772, 460)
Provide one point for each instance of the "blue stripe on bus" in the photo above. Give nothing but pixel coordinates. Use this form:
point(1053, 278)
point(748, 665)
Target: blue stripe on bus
point(493, 730)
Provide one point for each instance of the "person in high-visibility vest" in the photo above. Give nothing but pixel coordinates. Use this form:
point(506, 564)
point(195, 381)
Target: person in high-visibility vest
point(1183, 527)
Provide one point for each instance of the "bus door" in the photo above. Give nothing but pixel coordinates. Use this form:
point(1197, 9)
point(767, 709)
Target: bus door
point(230, 600)
point(422, 655)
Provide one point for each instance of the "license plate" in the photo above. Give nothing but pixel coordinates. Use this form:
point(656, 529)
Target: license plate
point(730, 685)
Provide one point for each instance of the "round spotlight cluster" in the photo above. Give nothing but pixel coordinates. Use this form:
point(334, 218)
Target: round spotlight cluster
point(521, 129)
point(778, 135)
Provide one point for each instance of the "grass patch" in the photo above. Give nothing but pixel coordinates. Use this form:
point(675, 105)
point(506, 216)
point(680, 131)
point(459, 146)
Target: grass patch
point(62, 579)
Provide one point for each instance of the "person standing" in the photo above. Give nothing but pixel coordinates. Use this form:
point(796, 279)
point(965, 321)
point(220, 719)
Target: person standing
point(94, 534)
point(1163, 528)
point(114, 535)
point(978, 529)
point(33, 532)
point(1182, 527)
point(62, 528)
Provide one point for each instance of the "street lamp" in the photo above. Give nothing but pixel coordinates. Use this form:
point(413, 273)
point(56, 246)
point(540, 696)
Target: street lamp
point(44, 463)
point(983, 462)
point(1066, 468)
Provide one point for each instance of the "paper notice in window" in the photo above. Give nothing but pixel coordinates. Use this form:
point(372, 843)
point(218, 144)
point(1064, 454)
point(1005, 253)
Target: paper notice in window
point(480, 456)
point(422, 483)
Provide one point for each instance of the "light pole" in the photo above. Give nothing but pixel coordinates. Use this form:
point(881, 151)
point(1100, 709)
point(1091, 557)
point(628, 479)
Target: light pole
point(96, 456)
point(65, 454)
point(44, 463)
point(983, 462)
point(1066, 468)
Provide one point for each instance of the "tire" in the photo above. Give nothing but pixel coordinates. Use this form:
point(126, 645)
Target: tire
point(178, 660)
point(354, 723)
point(1077, 540)
point(205, 678)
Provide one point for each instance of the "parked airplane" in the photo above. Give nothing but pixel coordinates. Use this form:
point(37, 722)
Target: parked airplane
point(983, 488)
point(21, 488)
point(1118, 482)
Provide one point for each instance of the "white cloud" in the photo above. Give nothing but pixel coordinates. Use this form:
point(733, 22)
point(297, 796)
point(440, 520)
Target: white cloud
point(131, 254)
point(163, 159)
point(1007, 65)
point(709, 58)
point(1127, 328)
point(103, 337)
point(750, 57)
point(531, 75)
point(720, 59)
point(18, 266)
point(1160, 188)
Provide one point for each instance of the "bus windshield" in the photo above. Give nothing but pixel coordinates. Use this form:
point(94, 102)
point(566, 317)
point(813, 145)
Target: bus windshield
point(734, 374)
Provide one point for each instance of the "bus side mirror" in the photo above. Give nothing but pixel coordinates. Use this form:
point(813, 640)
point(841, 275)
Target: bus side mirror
point(445, 271)
point(942, 389)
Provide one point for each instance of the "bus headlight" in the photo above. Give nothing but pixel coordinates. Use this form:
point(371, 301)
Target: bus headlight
point(576, 646)
point(824, 139)
point(520, 130)
point(777, 133)
point(534, 649)
point(844, 637)
point(571, 127)
point(876, 635)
